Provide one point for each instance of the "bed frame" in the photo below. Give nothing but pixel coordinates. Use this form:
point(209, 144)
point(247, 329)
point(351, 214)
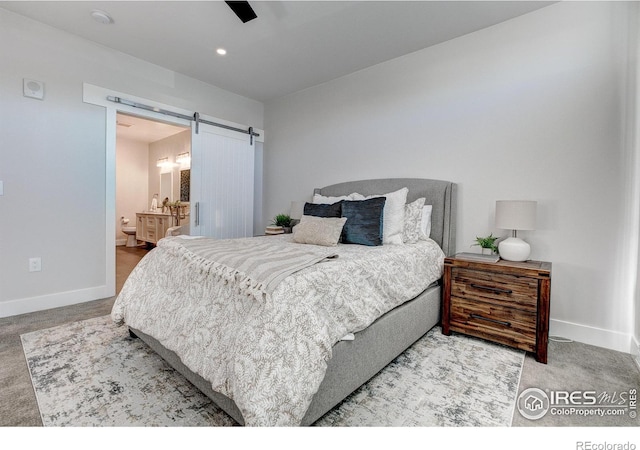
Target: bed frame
point(353, 363)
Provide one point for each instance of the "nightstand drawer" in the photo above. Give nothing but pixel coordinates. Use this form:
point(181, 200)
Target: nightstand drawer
point(496, 288)
point(509, 326)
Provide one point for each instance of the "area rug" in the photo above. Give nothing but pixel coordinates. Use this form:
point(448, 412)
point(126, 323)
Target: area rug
point(91, 373)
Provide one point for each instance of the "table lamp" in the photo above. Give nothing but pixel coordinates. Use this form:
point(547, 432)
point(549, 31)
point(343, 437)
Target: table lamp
point(296, 211)
point(515, 215)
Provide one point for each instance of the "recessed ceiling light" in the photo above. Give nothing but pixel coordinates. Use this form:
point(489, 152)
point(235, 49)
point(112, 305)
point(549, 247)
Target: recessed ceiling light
point(101, 17)
point(221, 51)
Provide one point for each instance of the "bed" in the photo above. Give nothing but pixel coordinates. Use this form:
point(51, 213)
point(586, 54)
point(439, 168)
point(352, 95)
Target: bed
point(336, 368)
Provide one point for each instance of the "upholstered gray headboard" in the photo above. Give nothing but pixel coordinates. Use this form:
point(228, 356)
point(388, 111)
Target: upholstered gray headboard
point(440, 194)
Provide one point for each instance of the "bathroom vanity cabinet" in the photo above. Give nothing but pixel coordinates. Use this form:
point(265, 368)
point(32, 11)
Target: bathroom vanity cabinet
point(151, 227)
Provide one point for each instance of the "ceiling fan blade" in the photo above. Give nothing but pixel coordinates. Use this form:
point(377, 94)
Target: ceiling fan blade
point(243, 10)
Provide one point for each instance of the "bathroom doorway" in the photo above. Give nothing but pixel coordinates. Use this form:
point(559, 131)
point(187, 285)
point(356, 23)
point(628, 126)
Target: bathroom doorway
point(115, 103)
point(152, 161)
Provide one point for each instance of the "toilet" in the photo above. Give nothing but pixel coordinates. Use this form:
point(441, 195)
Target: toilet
point(130, 232)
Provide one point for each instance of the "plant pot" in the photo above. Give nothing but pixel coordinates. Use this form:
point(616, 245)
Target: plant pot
point(487, 251)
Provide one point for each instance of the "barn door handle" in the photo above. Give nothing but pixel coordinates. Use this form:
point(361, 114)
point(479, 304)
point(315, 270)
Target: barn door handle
point(197, 214)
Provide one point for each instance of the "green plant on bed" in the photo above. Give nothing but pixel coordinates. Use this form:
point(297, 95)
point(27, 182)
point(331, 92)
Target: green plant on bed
point(487, 242)
point(282, 220)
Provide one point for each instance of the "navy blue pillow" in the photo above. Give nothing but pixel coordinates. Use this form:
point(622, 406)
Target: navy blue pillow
point(364, 221)
point(332, 210)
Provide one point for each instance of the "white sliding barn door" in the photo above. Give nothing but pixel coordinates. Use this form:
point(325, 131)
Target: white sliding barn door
point(222, 178)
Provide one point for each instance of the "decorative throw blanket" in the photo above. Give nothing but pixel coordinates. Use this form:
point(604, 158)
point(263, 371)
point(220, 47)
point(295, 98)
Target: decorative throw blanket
point(269, 356)
point(257, 267)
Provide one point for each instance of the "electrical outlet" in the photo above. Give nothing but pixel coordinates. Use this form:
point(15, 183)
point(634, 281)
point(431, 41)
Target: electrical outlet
point(35, 264)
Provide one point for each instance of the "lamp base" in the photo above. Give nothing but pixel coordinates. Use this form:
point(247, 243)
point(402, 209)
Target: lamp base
point(514, 249)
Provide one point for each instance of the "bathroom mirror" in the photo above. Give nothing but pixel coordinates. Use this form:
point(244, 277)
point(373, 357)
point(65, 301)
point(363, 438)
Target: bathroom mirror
point(166, 187)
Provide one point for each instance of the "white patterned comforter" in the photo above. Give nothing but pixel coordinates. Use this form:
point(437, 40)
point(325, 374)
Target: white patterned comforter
point(270, 356)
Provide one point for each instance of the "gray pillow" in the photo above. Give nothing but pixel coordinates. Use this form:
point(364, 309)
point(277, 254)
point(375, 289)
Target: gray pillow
point(413, 221)
point(323, 231)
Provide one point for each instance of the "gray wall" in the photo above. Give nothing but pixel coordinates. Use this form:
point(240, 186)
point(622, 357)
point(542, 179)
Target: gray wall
point(52, 157)
point(533, 108)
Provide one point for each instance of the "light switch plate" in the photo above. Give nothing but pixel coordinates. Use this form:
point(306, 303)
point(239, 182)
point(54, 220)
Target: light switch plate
point(33, 88)
point(1, 187)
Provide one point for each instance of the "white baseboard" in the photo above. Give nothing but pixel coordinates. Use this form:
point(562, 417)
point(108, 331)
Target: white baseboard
point(635, 351)
point(121, 242)
point(599, 337)
point(32, 304)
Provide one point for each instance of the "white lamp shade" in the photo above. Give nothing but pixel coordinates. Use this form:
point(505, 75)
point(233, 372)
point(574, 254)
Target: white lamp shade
point(296, 211)
point(516, 214)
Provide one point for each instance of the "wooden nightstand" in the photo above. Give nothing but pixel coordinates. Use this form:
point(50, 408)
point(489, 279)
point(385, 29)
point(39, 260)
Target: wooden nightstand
point(505, 302)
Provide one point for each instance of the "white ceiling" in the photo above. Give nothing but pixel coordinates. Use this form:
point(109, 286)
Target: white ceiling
point(143, 130)
point(292, 45)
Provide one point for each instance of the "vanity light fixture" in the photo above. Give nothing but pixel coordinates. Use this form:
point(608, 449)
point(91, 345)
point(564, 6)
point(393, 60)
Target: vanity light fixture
point(163, 162)
point(183, 158)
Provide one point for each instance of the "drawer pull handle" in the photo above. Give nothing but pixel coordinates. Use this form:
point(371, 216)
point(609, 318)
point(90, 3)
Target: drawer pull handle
point(500, 322)
point(492, 289)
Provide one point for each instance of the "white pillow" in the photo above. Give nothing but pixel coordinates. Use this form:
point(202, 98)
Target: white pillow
point(393, 220)
point(425, 225)
point(324, 231)
point(324, 200)
point(413, 221)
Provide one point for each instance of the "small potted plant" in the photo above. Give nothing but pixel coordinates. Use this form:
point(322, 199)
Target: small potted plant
point(284, 221)
point(488, 244)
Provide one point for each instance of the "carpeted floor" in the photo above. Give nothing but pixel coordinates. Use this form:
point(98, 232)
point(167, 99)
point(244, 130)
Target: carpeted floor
point(578, 367)
point(17, 400)
point(91, 373)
